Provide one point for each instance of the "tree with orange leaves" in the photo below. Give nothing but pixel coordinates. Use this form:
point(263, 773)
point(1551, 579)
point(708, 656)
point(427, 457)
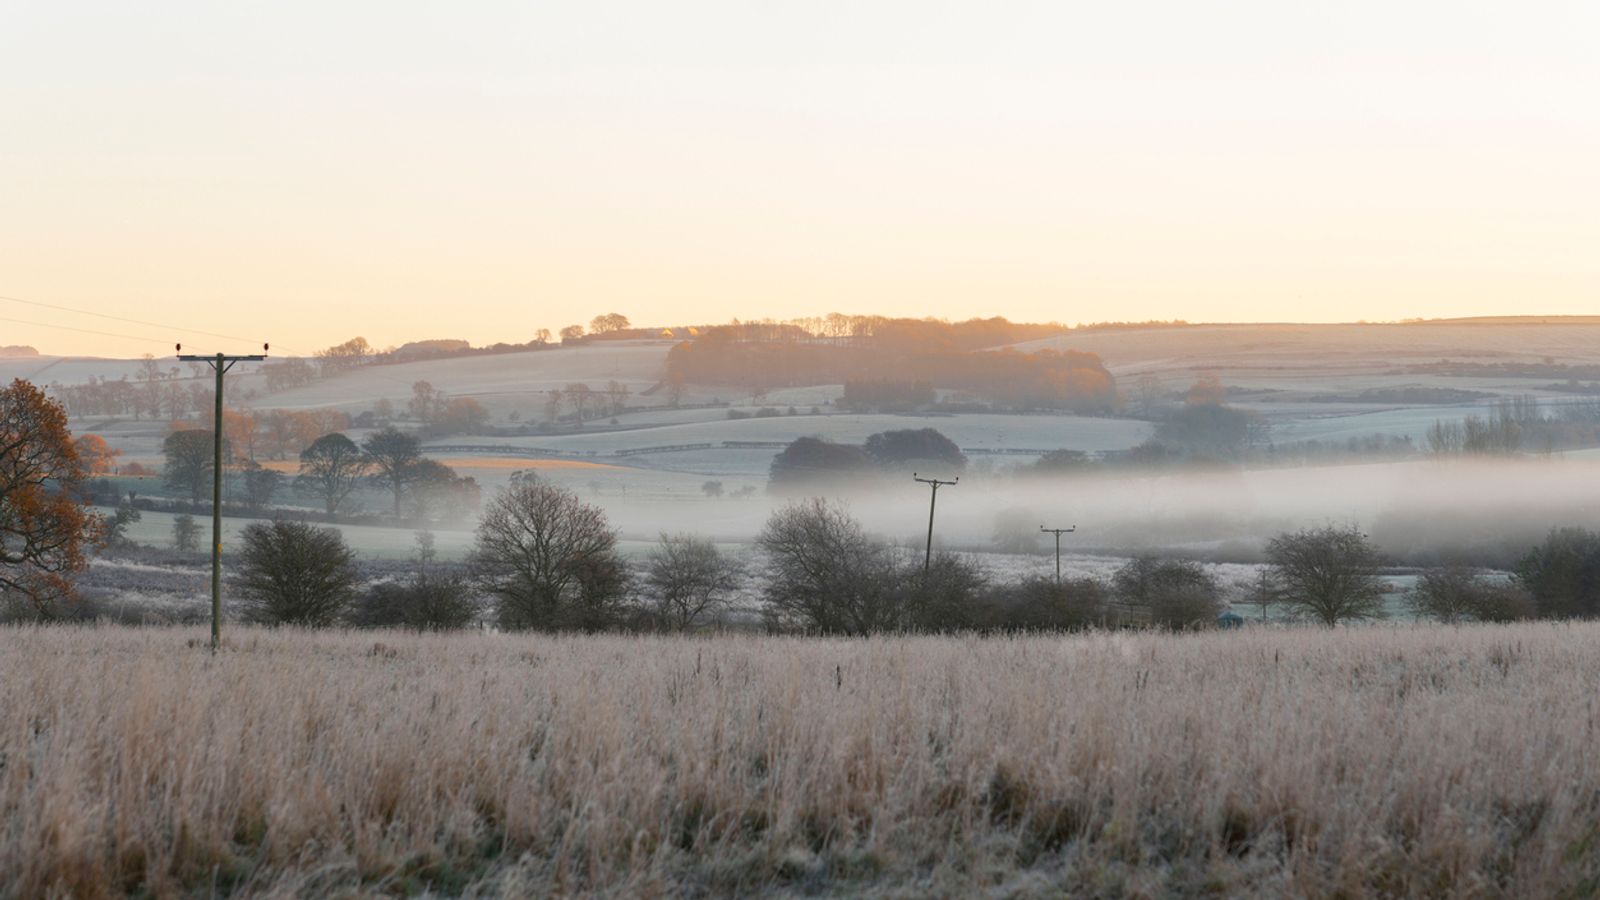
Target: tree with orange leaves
point(45, 523)
point(97, 456)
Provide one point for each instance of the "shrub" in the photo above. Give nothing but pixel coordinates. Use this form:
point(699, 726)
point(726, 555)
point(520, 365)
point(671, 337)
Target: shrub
point(1040, 604)
point(185, 533)
point(292, 573)
point(1563, 574)
point(949, 596)
point(1176, 593)
point(426, 602)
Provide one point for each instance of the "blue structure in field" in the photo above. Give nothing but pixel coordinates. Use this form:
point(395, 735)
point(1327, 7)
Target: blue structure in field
point(1230, 619)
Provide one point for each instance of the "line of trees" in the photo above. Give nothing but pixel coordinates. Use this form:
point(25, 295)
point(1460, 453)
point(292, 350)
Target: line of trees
point(331, 469)
point(545, 560)
point(542, 560)
point(1517, 425)
point(1044, 379)
point(585, 402)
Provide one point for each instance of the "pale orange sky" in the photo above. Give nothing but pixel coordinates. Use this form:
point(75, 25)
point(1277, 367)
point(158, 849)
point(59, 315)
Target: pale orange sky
point(303, 172)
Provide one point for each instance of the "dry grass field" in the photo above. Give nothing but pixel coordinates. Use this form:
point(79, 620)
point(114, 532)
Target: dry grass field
point(1422, 761)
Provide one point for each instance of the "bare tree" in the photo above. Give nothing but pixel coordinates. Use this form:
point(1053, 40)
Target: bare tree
point(332, 467)
point(1445, 438)
point(677, 388)
point(1329, 573)
point(292, 573)
point(549, 559)
point(826, 574)
point(426, 402)
point(616, 396)
point(579, 396)
point(689, 581)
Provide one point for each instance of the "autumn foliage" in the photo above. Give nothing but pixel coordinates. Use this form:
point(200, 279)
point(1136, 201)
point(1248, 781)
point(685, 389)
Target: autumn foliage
point(45, 524)
point(940, 355)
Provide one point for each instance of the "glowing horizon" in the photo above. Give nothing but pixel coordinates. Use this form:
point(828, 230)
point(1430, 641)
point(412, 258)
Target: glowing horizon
point(301, 175)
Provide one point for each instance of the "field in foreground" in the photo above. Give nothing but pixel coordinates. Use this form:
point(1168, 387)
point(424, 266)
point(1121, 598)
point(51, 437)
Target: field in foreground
point(1415, 761)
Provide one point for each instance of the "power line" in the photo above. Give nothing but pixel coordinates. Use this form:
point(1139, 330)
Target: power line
point(85, 312)
point(129, 337)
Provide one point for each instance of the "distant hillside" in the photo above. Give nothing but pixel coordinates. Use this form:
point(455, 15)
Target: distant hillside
point(1381, 347)
point(1510, 320)
point(17, 351)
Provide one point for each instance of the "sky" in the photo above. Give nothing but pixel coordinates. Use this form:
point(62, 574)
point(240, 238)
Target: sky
point(303, 172)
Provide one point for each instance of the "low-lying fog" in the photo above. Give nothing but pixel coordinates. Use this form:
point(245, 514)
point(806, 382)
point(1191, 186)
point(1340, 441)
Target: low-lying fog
point(1418, 512)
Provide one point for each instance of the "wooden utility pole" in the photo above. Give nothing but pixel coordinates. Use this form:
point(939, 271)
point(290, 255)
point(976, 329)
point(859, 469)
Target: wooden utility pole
point(1058, 532)
point(221, 363)
point(927, 559)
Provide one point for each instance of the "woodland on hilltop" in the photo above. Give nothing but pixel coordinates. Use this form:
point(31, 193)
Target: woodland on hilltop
point(940, 354)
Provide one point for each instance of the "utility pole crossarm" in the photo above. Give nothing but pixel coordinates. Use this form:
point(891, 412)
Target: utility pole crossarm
point(220, 363)
point(1058, 532)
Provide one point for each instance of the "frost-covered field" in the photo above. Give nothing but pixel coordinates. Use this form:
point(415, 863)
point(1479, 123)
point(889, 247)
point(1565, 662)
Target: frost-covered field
point(1409, 761)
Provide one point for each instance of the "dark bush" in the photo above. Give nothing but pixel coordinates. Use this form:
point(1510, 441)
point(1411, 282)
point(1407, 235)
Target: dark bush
point(1563, 574)
point(1175, 593)
point(426, 602)
point(949, 596)
point(1040, 604)
point(292, 573)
